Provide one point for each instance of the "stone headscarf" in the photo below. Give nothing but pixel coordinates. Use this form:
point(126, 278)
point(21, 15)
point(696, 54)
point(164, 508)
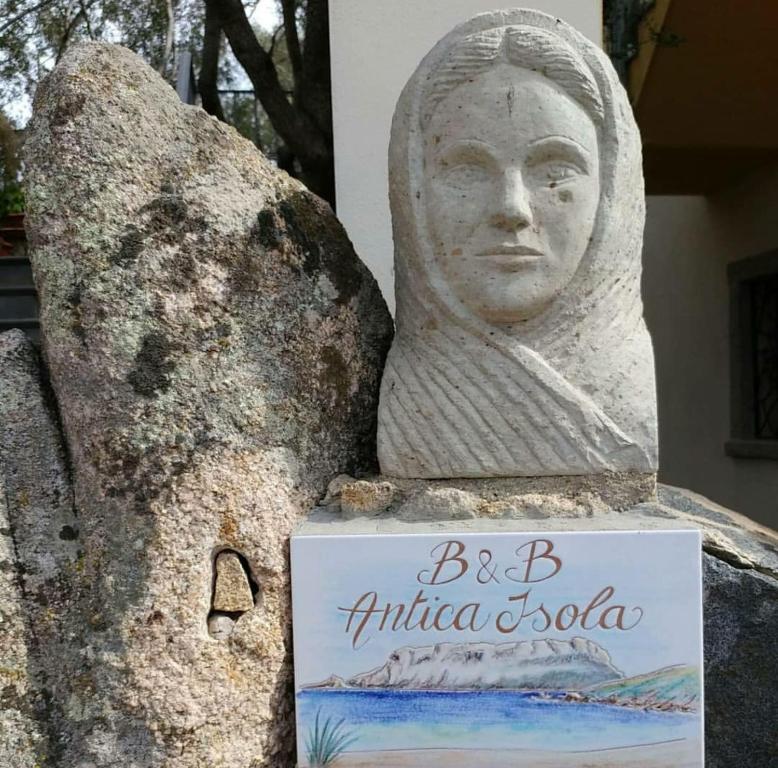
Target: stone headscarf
point(570, 392)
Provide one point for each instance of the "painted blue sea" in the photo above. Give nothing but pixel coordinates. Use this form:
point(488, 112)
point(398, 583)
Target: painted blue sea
point(381, 720)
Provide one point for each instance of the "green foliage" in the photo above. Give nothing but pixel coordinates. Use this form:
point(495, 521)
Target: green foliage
point(11, 195)
point(35, 33)
point(326, 742)
point(9, 149)
point(11, 199)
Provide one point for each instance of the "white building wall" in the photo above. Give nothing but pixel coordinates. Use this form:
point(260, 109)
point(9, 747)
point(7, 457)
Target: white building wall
point(688, 243)
point(376, 46)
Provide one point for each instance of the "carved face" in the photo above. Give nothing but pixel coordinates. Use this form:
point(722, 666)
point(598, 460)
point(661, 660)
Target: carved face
point(512, 182)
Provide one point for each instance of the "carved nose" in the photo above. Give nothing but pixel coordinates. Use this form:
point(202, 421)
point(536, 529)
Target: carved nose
point(513, 211)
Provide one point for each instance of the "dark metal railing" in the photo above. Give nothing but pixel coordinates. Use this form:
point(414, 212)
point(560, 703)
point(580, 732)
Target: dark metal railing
point(18, 299)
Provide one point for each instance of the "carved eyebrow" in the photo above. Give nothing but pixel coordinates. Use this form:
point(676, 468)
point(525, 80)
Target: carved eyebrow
point(473, 145)
point(575, 152)
point(563, 141)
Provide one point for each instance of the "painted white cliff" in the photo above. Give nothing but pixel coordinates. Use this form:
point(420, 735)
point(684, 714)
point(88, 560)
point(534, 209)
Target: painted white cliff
point(527, 664)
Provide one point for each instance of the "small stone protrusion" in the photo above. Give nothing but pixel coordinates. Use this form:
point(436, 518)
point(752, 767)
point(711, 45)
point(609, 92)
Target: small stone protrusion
point(439, 504)
point(335, 487)
point(363, 498)
point(232, 591)
point(220, 626)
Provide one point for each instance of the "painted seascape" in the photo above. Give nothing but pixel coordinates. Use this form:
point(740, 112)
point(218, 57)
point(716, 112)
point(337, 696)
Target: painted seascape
point(541, 703)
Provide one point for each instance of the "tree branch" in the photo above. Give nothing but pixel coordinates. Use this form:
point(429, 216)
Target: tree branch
point(169, 36)
point(20, 16)
point(274, 40)
point(289, 10)
point(207, 83)
point(298, 131)
point(315, 91)
point(86, 19)
point(66, 35)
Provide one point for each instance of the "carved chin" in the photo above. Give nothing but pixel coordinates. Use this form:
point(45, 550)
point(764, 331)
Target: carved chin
point(511, 315)
point(507, 303)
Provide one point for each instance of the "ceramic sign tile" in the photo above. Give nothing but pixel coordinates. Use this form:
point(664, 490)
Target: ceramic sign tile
point(499, 649)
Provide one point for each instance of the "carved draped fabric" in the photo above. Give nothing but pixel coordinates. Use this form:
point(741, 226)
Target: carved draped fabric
point(573, 393)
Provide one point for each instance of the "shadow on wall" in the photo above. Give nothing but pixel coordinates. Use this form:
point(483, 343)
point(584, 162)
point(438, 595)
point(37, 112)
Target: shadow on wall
point(689, 243)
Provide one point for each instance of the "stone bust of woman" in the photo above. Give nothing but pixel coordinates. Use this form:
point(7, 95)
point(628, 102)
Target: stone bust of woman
point(517, 206)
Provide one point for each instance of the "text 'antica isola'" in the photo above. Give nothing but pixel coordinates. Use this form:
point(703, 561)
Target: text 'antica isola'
point(524, 612)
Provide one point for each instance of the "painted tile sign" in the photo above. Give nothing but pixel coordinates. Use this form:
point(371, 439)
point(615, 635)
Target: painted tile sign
point(547, 650)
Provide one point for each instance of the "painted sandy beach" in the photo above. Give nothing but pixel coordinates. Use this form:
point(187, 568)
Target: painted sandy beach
point(677, 754)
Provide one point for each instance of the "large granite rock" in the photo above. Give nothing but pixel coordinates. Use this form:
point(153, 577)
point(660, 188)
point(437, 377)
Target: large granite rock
point(39, 563)
point(740, 572)
point(215, 348)
point(20, 735)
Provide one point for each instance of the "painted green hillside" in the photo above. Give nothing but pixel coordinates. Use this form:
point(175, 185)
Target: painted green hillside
point(677, 686)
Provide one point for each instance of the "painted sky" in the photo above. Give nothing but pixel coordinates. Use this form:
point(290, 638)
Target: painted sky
point(658, 571)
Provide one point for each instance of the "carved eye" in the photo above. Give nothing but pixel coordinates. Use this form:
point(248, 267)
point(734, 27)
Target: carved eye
point(559, 173)
point(557, 161)
point(465, 176)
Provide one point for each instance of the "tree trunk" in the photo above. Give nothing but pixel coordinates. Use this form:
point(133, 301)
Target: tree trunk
point(209, 69)
point(305, 126)
point(314, 89)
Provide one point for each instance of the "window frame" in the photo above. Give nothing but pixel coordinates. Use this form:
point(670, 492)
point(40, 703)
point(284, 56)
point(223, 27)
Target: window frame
point(743, 442)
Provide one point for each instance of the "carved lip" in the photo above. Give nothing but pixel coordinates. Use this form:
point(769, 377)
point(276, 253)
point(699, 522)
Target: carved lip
point(511, 256)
